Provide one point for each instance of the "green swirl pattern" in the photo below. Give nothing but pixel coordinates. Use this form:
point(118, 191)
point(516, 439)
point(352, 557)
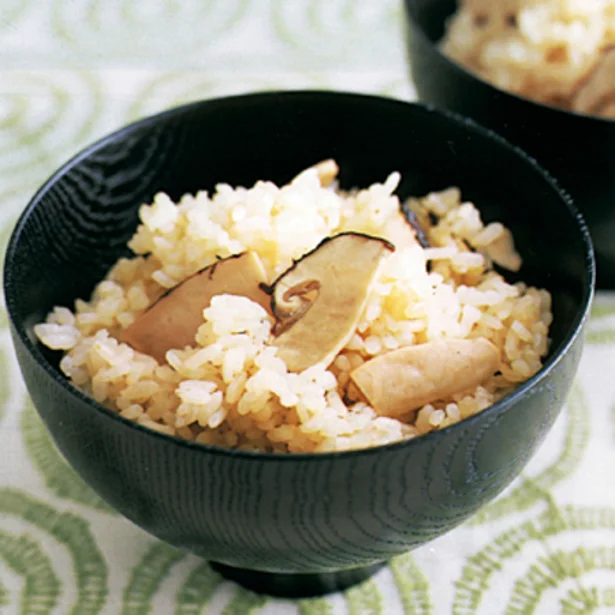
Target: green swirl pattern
point(551, 570)
point(484, 564)
point(171, 89)
point(323, 28)
point(13, 11)
point(43, 108)
point(163, 30)
point(315, 606)
point(197, 590)
point(41, 585)
point(586, 601)
point(412, 585)
point(244, 602)
point(73, 532)
point(365, 599)
point(177, 88)
point(45, 120)
point(146, 578)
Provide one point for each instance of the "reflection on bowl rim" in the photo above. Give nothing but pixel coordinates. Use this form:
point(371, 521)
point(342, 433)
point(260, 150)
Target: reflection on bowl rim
point(556, 354)
point(411, 6)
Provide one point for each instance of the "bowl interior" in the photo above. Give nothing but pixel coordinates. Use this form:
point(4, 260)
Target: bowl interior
point(77, 226)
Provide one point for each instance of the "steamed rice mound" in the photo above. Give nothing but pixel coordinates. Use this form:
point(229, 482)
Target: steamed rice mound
point(229, 388)
point(544, 50)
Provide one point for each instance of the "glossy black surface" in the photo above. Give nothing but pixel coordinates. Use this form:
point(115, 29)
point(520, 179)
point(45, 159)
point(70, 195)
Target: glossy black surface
point(312, 514)
point(297, 585)
point(578, 150)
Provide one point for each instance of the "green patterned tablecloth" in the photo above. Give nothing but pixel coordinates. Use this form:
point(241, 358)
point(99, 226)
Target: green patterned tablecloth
point(72, 70)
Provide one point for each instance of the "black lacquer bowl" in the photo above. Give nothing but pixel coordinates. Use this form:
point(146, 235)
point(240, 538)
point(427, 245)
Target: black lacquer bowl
point(299, 524)
point(578, 150)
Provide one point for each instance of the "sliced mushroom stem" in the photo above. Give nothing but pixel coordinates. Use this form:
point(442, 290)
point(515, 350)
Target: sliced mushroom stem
point(408, 378)
point(173, 320)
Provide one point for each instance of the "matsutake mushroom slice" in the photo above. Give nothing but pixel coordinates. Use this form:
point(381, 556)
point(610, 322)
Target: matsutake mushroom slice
point(406, 379)
point(596, 95)
point(173, 320)
point(319, 301)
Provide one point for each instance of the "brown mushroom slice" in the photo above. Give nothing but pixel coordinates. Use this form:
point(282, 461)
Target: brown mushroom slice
point(406, 379)
point(318, 302)
point(597, 93)
point(173, 320)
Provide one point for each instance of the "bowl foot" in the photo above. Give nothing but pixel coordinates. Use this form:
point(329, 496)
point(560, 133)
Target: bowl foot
point(296, 585)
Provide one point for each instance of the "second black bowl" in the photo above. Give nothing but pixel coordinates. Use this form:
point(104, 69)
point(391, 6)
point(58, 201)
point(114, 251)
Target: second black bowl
point(578, 150)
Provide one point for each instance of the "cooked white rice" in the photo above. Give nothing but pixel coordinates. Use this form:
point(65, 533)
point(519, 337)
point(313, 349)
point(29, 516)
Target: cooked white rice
point(540, 49)
point(229, 388)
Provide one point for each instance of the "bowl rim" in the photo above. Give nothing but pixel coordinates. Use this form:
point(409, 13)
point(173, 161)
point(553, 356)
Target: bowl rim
point(460, 69)
point(558, 353)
